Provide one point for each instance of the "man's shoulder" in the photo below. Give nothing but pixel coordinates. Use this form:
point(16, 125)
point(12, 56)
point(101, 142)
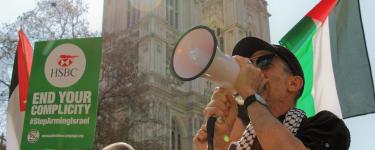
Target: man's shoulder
point(326, 122)
point(324, 130)
point(324, 116)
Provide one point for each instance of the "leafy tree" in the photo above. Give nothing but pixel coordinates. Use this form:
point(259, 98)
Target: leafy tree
point(122, 108)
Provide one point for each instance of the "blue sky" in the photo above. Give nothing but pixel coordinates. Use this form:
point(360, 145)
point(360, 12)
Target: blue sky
point(284, 15)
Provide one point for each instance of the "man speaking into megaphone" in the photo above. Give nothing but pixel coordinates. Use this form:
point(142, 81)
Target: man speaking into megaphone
point(262, 113)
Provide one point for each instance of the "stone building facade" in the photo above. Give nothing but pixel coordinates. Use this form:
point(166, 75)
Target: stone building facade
point(155, 25)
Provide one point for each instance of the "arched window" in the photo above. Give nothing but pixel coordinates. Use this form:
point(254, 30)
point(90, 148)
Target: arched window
point(172, 12)
point(176, 136)
point(248, 33)
point(133, 14)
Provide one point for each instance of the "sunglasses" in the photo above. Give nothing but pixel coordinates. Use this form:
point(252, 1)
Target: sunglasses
point(265, 61)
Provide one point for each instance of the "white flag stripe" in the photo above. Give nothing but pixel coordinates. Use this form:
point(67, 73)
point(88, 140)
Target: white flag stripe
point(14, 121)
point(324, 85)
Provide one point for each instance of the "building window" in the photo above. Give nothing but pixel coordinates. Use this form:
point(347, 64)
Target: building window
point(172, 12)
point(133, 14)
point(129, 13)
point(248, 33)
point(221, 43)
point(158, 48)
point(176, 136)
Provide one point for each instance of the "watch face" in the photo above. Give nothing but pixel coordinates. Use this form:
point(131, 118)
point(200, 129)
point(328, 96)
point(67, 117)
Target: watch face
point(239, 100)
point(260, 99)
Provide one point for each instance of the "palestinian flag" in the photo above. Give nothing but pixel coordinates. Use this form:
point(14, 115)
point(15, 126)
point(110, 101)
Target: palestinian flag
point(18, 92)
point(334, 59)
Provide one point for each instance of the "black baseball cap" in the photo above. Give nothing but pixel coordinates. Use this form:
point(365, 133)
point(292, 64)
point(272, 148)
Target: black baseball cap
point(247, 46)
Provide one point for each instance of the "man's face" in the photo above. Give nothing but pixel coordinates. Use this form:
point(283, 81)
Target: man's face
point(276, 75)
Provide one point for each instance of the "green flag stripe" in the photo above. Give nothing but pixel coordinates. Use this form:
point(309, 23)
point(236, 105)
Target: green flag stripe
point(300, 41)
point(305, 57)
point(300, 33)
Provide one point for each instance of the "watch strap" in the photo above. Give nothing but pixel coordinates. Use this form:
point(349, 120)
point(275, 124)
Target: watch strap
point(242, 107)
point(249, 100)
point(242, 114)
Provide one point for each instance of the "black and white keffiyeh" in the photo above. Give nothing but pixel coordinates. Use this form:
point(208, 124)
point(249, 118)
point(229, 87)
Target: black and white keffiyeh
point(292, 121)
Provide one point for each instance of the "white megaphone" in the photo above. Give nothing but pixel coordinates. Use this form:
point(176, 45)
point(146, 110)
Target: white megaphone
point(196, 55)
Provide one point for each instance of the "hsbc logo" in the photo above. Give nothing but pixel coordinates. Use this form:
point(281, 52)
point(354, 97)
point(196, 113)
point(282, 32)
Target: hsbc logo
point(65, 65)
point(65, 60)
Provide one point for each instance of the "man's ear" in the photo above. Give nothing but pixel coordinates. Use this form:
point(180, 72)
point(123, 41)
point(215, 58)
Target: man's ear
point(295, 83)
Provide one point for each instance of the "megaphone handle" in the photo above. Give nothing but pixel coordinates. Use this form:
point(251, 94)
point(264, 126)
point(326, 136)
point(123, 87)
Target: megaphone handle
point(210, 132)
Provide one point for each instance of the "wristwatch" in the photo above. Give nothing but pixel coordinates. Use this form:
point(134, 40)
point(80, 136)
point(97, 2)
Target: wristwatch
point(249, 100)
point(244, 103)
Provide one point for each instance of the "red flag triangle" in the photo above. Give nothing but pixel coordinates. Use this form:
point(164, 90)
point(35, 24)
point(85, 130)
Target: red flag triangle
point(322, 10)
point(24, 54)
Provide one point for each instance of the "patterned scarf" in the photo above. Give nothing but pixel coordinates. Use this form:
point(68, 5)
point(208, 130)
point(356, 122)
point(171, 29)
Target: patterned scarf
point(292, 121)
